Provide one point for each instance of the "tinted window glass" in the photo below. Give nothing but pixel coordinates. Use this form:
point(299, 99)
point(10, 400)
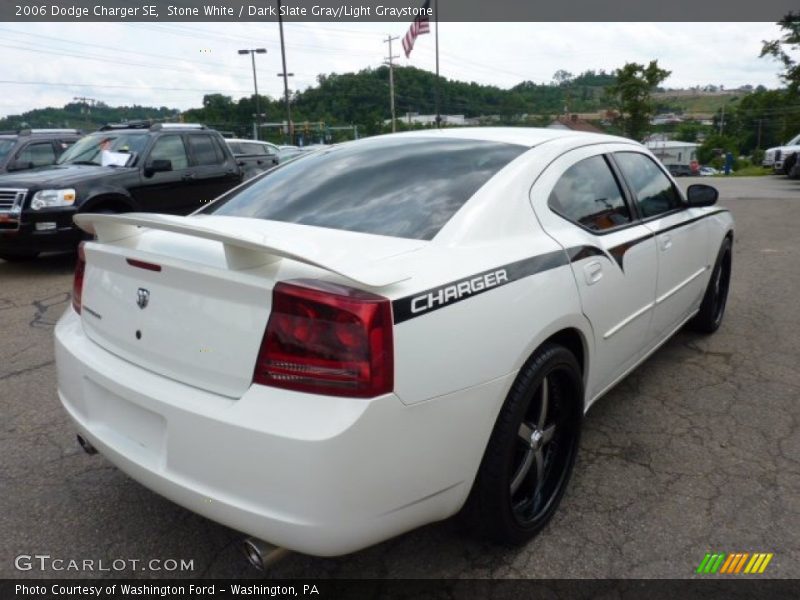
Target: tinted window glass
point(254, 148)
point(654, 191)
point(39, 154)
point(5, 147)
point(204, 150)
point(88, 149)
point(589, 194)
point(170, 147)
point(403, 187)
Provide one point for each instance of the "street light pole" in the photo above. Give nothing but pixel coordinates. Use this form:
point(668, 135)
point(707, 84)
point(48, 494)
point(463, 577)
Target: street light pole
point(252, 52)
point(289, 128)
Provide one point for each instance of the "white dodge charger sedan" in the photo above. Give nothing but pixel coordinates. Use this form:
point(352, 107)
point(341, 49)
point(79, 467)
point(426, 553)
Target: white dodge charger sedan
point(387, 332)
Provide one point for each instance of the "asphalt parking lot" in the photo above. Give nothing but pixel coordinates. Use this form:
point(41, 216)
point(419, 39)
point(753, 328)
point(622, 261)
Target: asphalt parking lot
point(698, 450)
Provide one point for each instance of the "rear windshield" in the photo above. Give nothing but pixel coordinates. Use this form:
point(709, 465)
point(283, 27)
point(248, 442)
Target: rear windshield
point(401, 187)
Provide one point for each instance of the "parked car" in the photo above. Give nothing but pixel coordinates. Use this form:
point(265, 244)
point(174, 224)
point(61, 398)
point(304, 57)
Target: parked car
point(253, 156)
point(31, 148)
point(776, 157)
point(679, 170)
point(386, 333)
point(708, 171)
point(169, 168)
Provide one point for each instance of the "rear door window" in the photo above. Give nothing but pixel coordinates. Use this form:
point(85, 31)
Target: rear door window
point(588, 194)
point(403, 187)
point(39, 154)
point(204, 150)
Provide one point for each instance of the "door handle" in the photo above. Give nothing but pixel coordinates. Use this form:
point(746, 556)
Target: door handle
point(666, 242)
point(593, 272)
point(187, 176)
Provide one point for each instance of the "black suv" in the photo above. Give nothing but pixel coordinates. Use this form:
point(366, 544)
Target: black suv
point(30, 148)
point(165, 168)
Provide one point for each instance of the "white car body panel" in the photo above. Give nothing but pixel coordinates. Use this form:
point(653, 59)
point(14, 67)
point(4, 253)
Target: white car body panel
point(330, 475)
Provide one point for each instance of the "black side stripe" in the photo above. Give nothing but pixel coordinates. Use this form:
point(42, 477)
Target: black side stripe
point(444, 295)
point(577, 253)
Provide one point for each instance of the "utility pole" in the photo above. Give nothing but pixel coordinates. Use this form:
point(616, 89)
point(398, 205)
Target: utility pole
point(289, 127)
point(758, 137)
point(391, 58)
point(722, 120)
point(87, 102)
point(252, 52)
point(438, 97)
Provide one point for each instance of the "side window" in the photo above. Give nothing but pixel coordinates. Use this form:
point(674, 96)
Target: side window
point(40, 154)
point(655, 193)
point(204, 150)
point(588, 193)
point(170, 147)
point(254, 149)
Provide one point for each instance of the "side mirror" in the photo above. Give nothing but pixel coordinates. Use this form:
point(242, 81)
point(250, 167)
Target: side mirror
point(158, 165)
point(700, 194)
point(19, 165)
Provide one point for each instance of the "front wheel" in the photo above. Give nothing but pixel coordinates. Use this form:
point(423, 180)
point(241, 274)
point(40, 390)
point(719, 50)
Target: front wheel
point(712, 309)
point(532, 449)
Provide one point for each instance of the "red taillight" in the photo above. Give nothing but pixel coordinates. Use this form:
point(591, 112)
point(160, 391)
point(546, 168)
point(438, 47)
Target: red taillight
point(327, 339)
point(77, 282)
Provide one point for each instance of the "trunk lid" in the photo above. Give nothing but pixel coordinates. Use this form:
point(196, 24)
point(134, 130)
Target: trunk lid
point(196, 309)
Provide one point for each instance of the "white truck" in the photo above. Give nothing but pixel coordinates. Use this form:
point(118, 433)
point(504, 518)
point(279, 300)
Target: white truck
point(782, 158)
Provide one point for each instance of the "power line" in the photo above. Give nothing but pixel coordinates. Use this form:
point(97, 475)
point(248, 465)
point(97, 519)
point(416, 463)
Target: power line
point(120, 86)
point(119, 50)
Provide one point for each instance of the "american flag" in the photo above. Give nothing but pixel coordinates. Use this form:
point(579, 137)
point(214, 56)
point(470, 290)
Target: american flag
point(420, 25)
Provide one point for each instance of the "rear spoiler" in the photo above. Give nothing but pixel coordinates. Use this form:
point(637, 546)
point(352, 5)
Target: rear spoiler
point(242, 250)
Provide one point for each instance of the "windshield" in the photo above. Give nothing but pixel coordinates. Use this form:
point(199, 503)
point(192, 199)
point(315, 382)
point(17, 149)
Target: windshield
point(90, 149)
point(5, 147)
point(402, 187)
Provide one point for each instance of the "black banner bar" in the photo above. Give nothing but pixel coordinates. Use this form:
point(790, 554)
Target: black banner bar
point(393, 10)
point(710, 588)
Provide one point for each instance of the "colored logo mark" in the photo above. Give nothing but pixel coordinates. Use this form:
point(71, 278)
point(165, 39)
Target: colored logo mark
point(734, 563)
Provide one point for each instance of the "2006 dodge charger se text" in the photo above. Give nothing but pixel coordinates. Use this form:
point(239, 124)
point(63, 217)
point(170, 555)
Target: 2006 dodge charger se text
point(386, 333)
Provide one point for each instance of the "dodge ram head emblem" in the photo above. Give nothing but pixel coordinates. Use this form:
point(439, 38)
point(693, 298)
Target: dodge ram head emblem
point(142, 298)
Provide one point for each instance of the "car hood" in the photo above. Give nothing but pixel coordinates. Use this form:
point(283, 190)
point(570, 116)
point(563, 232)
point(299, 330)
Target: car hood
point(60, 175)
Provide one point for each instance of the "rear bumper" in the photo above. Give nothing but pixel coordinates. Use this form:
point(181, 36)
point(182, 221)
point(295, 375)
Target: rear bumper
point(320, 475)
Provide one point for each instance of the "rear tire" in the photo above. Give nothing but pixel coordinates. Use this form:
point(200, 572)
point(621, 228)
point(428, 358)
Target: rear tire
point(530, 455)
point(712, 309)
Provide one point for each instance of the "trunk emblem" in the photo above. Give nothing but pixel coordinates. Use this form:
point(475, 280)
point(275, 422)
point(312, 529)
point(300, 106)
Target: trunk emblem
point(142, 298)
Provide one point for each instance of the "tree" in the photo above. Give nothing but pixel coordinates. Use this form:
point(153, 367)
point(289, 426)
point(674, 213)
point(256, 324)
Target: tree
point(779, 49)
point(631, 96)
point(562, 77)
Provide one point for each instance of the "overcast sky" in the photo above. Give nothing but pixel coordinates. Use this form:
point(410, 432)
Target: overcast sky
point(174, 64)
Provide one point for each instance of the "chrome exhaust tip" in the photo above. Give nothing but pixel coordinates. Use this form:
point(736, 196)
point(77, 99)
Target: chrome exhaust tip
point(261, 554)
point(86, 445)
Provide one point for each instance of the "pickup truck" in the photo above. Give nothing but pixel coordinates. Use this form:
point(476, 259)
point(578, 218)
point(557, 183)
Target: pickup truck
point(164, 168)
point(782, 158)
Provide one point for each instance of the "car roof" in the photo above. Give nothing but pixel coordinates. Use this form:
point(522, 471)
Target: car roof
point(243, 140)
point(523, 136)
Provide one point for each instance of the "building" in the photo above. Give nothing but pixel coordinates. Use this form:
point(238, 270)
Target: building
point(673, 153)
